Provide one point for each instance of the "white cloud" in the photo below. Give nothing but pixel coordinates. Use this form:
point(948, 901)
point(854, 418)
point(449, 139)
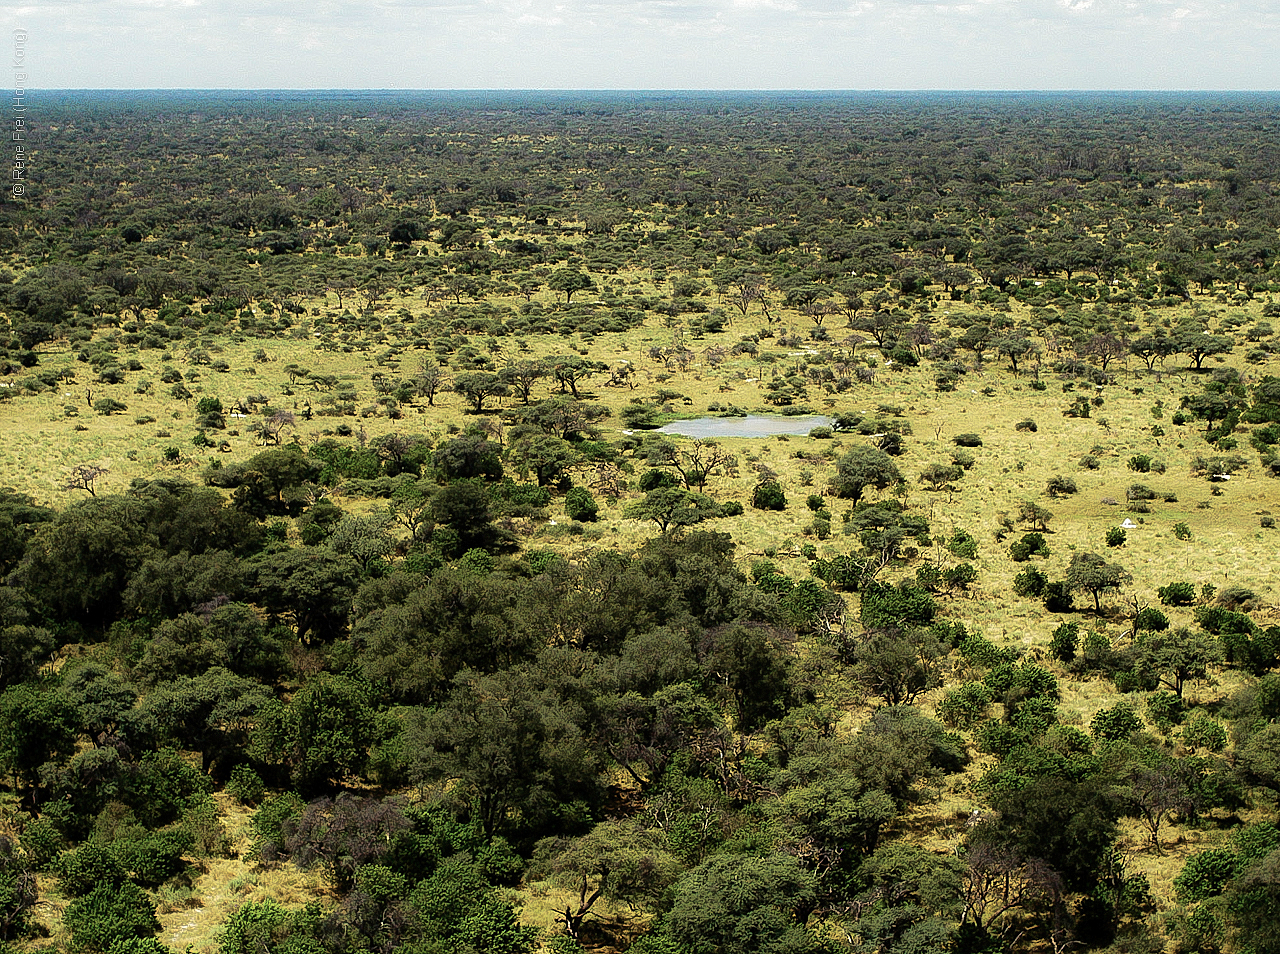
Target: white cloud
point(655, 43)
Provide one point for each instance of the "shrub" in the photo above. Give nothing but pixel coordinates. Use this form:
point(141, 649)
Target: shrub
point(1165, 710)
point(156, 857)
point(1032, 715)
point(1027, 425)
point(249, 929)
point(1151, 620)
point(967, 440)
point(108, 406)
point(18, 892)
point(1089, 462)
point(1064, 641)
point(1097, 650)
point(1115, 724)
point(478, 562)
point(1177, 594)
point(41, 842)
point(1031, 544)
point(768, 495)
point(580, 505)
point(90, 865)
point(1030, 681)
point(998, 738)
point(887, 606)
point(1181, 531)
point(1116, 537)
point(1238, 599)
point(966, 705)
point(1057, 597)
point(960, 576)
point(1139, 492)
point(963, 545)
point(980, 651)
point(268, 822)
point(1140, 463)
point(1204, 732)
point(1205, 875)
point(1059, 486)
point(653, 479)
point(110, 913)
point(245, 785)
point(1030, 583)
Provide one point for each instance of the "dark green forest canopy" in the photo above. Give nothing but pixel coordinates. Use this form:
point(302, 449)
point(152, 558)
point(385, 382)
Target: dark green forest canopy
point(218, 191)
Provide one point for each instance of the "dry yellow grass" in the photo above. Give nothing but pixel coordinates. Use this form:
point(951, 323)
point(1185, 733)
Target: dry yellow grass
point(224, 884)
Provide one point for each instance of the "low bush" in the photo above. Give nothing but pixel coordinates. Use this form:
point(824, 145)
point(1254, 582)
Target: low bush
point(1064, 642)
point(1177, 594)
point(965, 706)
point(768, 495)
point(1031, 544)
point(109, 914)
point(580, 505)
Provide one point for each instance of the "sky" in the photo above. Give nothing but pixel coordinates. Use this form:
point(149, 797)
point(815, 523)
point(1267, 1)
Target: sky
point(651, 44)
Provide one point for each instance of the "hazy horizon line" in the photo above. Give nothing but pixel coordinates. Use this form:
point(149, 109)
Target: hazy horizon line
point(643, 89)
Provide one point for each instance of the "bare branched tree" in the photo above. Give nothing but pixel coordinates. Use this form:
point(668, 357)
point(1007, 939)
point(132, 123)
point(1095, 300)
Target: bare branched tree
point(85, 477)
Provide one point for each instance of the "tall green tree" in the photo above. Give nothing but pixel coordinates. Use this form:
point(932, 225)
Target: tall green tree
point(509, 746)
point(864, 468)
point(745, 904)
point(79, 564)
point(1092, 574)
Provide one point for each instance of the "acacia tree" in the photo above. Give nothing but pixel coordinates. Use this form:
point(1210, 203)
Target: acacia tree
point(694, 462)
point(864, 467)
point(742, 291)
point(1151, 348)
point(1094, 575)
point(570, 281)
point(1199, 345)
point(514, 749)
point(672, 508)
point(571, 370)
point(1014, 346)
point(545, 456)
point(1104, 348)
point(85, 477)
point(743, 904)
point(617, 861)
point(1177, 657)
point(898, 665)
point(1156, 789)
point(523, 375)
point(477, 386)
point(428, 381)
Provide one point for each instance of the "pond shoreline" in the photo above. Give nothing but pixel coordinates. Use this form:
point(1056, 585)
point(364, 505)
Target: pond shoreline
point(752, 425)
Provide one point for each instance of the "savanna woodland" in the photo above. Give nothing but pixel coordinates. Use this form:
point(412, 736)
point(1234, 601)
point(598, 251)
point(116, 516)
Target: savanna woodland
point(352, 600)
